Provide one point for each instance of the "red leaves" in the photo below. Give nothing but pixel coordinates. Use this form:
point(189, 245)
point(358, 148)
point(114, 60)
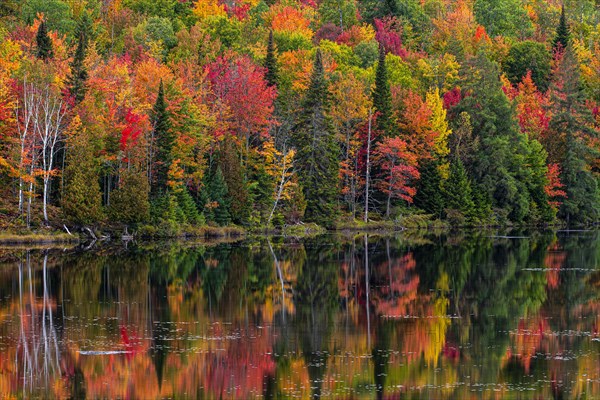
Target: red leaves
point(388, 36)
point(452, 98)
point(399, 169)
point(239, 85)
point(554, 187)
point(132, 130)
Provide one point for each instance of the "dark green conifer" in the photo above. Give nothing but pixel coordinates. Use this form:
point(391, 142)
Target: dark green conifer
point(129, 203)
point(43, 43)
point(78, 77)
point(317, 152)
point(457, 190)
point(271, 62)
point(164, 140)
point(563, 34)
point(382, 96)
point(429, 196)
point(82, 199)
point(571, 118)
point(218, 209)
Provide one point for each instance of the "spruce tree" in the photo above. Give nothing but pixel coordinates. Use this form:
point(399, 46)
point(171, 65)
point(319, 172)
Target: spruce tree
point(317, 153)
point(129, 203)
point(233, 173)
point(43, 43)
point(573, 121)
point(458, 194)
point(563, 35)
point(164, 139)
point(271, 62)
point(78, 77)
point(82, 199)
point(429, 196)
point(499, 166)
point(218, 211)
point(382, 96)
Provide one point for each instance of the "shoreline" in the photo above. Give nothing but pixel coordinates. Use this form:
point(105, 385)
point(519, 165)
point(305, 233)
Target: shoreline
point(57, 236)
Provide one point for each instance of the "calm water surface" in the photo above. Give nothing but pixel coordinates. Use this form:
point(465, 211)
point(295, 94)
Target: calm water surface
point(442, 317)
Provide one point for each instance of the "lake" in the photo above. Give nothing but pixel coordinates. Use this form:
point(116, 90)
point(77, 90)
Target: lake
point(450, 316)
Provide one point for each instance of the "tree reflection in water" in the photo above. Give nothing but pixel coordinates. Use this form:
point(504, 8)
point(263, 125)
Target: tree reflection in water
point(334, 316)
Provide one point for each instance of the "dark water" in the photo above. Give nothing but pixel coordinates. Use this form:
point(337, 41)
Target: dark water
point(456, 316)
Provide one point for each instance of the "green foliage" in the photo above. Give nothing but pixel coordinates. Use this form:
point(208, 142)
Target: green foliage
point(227, 30)
point(367, 52)
point(382, 96)
point(573, 119)
point(129, 203)
point(78, 78)
point(562, 39)
point(288, 41)
point(233, 173)
point(503, 17)
point(82, 200)
point(271, 62)
point(218, 208)
point(500, 162)
point(317, 153)
point(44, 50)
point(457, 189)
point(164, 138)
point(339, 12)
point(57, 14)
point(429, 195)
point(529, 56)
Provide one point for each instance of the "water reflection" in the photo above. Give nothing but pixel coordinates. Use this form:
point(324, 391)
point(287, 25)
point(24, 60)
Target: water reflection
point(364, 316)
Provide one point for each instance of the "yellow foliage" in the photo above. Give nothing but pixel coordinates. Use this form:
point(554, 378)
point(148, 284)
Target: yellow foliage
point(439, 124)
point(208, 8)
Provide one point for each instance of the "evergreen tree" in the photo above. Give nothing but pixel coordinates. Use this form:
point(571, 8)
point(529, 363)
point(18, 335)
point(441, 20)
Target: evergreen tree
point(78, 77)
point(573, 122)
point(429, 194)
point(563, 35)
point(43, 43)
point(129, 203)
point(499, 166)
point(271, 62)
point(233, 173)
point(164, 140)
point(382, 96)
point(317, 153)
point(188, 206)
point(82, 199)
point(218, 208)
point(458, 193)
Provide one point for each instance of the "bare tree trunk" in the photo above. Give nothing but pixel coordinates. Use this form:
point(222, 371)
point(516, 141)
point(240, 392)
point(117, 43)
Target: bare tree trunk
point(282, 181)
point(368, 172)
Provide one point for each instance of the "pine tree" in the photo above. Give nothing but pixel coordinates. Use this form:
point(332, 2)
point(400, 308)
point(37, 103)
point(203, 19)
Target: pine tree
point(458, 193)
point(317, 153)
point(499, 166)
point(563, 35)
point(429, 190)
point(572, 121)
point(78, 77)
point(44, 43)
point(82, 199)
point(233, 173)
point(382, 96)
point(218, 208)
point(271, 62)
point(164, 141)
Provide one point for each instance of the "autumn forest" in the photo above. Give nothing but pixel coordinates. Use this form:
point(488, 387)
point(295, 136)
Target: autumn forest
point(169, 115)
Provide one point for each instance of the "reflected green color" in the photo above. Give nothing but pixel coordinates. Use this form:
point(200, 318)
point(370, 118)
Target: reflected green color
point(362, 316)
